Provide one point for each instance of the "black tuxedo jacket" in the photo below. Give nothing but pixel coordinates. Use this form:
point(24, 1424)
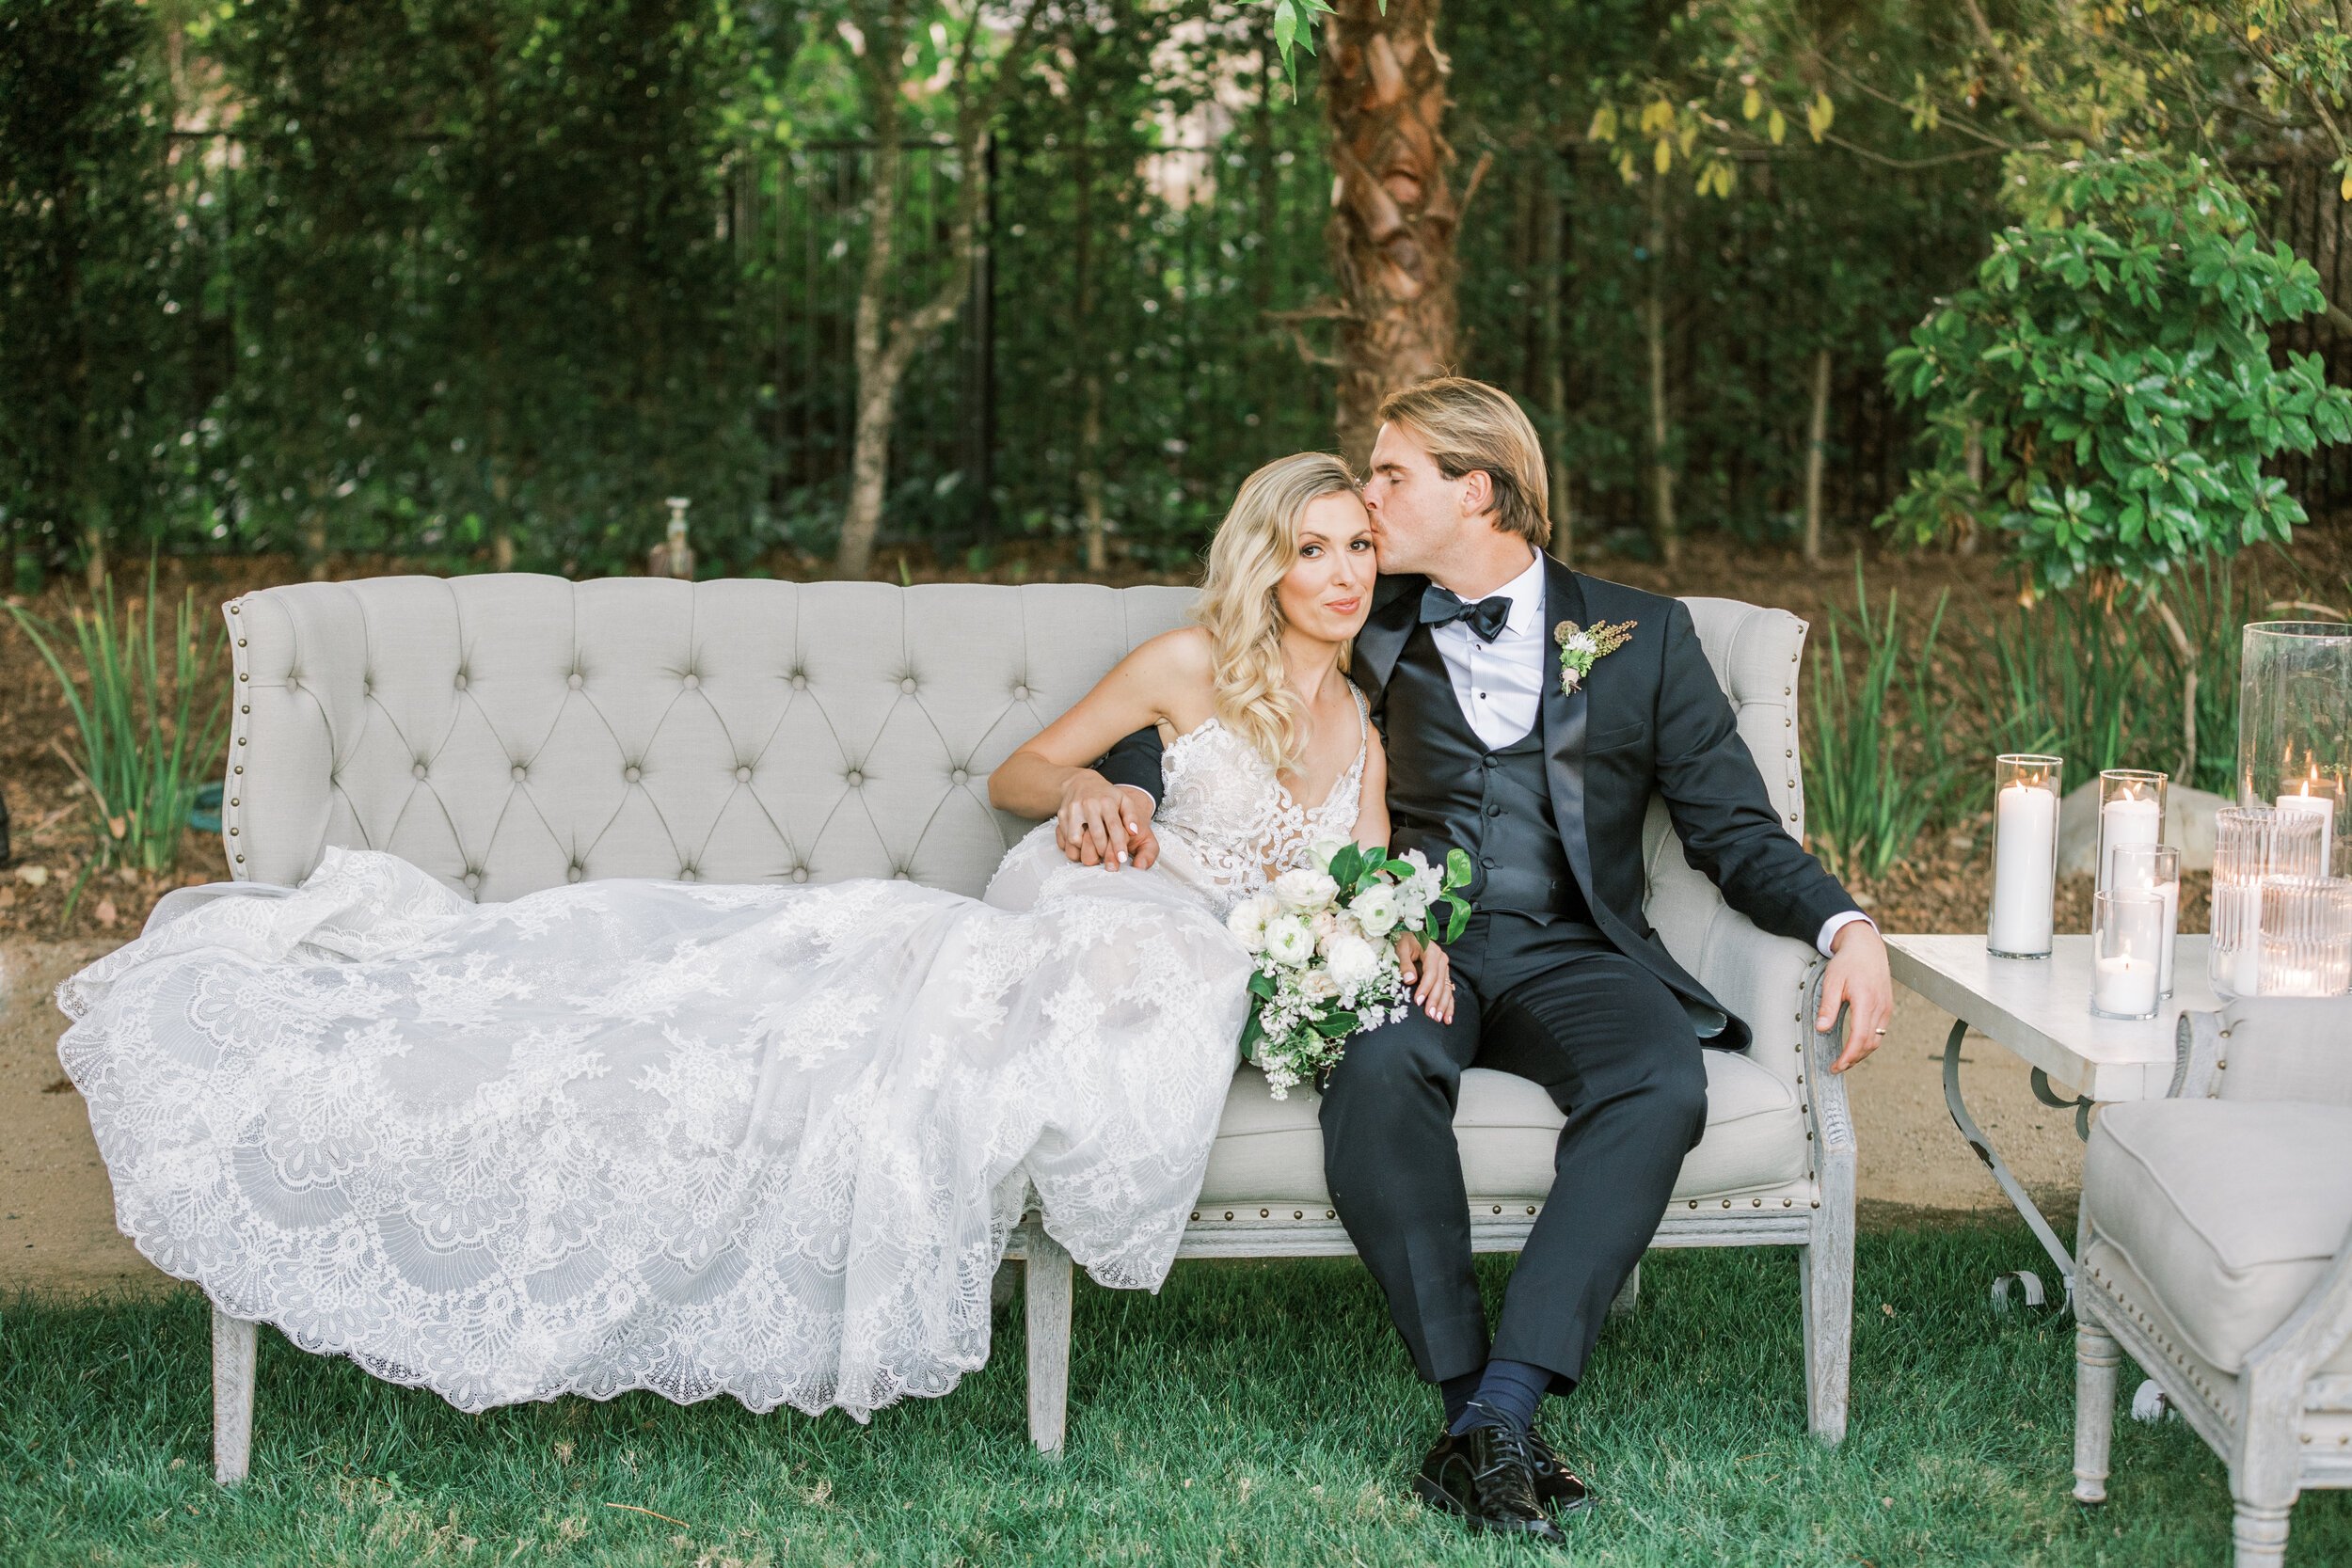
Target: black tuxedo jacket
point(1649, 717)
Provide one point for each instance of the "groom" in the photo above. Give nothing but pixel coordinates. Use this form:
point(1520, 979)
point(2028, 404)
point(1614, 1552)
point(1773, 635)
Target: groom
point(1558, 977)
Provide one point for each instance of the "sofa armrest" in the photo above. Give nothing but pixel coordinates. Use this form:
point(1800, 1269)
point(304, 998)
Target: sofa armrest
point(1826, 1114)
point(2270, 1048)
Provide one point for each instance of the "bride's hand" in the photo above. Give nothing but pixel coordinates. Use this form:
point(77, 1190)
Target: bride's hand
point(1426, 962)
point(1101, 823)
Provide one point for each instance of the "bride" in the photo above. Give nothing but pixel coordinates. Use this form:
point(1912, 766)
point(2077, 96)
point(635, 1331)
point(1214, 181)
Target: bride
point(762, 1140)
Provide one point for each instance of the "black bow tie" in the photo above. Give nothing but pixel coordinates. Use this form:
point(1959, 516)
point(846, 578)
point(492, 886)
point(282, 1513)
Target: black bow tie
point(1441, 606)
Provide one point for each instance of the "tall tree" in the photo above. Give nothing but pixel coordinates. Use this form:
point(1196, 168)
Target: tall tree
point(887, 337)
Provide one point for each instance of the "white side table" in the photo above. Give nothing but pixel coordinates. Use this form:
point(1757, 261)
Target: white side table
point(2039, 1010)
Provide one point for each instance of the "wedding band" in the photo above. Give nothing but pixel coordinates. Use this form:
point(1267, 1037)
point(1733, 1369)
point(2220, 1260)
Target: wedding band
point(1878, 1031)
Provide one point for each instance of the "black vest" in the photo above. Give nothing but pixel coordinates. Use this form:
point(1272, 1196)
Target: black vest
point(1447, 788)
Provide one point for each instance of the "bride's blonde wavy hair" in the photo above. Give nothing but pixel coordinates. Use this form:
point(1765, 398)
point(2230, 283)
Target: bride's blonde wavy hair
point(1255, 548)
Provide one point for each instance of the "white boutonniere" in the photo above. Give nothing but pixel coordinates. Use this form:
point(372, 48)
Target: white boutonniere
point(1581, 647)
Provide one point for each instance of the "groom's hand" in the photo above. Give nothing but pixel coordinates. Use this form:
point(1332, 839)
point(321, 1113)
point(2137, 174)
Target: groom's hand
point(1104, 824)
point(1857, 978)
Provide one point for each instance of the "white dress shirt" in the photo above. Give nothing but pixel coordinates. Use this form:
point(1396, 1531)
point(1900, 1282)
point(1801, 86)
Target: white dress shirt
point(1501, 683)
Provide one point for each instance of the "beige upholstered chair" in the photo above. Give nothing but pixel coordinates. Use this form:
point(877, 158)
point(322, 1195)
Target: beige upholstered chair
point(511, 731)
point(2216, 1248)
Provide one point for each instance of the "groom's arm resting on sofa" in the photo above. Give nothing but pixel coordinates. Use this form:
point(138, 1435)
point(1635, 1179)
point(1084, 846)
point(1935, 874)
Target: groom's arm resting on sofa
point(1718, 804)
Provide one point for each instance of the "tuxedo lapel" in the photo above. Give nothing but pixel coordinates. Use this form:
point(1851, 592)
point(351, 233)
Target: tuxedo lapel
point(1564, 722)
point(1395, 609)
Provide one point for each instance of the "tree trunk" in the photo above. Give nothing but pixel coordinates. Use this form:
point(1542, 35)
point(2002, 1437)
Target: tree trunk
point(1550, 268)
point(1660, 415)
point(1090, 372)
point(877, 391)
point(1392, 215)
point(1816, 444)
point(1974, 459)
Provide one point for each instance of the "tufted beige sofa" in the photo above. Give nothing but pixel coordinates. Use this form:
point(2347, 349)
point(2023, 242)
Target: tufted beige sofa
point(510, 732)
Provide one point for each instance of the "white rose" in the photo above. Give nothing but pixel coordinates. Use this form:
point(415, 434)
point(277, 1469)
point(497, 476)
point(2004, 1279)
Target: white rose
point(1320, 852)
point(1376, 910)
point(1305, 888)
point(1288, 941)
point(1317, 984)
point(1248, 918)
point(1353, 963)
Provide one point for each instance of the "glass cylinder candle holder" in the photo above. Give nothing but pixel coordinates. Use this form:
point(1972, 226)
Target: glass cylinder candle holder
point(2306, 936)
point(2130, 811)
point(2252, 844)
point(2294, 725)
point(2154, 868)
point(2024, 854)
point(2127, 958)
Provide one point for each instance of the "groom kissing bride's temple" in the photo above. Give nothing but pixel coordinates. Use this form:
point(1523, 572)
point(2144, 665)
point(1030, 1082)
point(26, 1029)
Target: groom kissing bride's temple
point(1529, 711)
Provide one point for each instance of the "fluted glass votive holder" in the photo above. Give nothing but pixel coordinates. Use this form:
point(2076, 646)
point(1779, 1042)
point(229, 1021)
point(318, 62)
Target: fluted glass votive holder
point(2153, 868)
point(2126, 958)
point(2024, 854)
point(2252, 844)
point(2306, 936)
point(2130, 811)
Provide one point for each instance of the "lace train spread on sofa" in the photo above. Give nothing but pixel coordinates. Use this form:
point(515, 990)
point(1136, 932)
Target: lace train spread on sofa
point(761, 1140)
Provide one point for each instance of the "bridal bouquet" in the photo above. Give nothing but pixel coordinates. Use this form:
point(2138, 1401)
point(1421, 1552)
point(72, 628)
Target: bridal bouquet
point(1326, 947)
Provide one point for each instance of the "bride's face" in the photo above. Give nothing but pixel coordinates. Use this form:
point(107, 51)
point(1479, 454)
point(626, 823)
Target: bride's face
point(1328, 592)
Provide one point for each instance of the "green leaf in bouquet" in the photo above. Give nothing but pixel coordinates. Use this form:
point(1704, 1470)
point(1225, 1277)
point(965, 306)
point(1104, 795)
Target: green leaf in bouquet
point(1251, 1032)
point(1347, 867)
point(1457, 916)
point(1261, 984)
point(1376, 859)
point(1458, 869)
point(1336, 1024)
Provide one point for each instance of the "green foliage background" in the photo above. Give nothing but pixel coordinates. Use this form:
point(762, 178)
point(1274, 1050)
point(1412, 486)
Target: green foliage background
point(529, 266)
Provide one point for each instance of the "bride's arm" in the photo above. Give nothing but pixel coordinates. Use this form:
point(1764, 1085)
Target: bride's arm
point(1049, 776)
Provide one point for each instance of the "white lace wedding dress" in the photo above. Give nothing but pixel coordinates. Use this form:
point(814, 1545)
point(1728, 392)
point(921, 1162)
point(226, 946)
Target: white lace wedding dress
point(760, 1140)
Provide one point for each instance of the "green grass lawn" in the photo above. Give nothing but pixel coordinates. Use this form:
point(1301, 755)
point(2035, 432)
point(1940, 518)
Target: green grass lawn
point(1246, 1414)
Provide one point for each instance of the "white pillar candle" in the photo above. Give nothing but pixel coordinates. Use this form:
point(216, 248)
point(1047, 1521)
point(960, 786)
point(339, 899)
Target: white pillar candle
point(2125, 985)
point(2126, 819)
point(2322, 805)
point(2247, 975)
point(2025, 835)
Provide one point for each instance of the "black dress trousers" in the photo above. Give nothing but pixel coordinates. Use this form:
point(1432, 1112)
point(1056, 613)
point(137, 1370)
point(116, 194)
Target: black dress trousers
point(1615, 1049)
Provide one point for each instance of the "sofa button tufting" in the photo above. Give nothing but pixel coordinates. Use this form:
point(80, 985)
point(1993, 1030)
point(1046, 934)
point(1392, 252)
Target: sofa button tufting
point(958, 776)
point(517, 772)
point(901, 877)
point(418, 771)
point(684, 872)
point(573, 680)
point(473, 878)
point(630, 775)
point(461, 682)
point(572, 875)
point(800, 873)
point(693, 681)
point(742, 775)
point(907, 686)
point(799, 682)
point(1021, 693)
point(856, 779)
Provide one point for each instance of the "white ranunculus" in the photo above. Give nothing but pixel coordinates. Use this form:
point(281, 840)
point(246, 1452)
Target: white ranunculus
point(1288, 941)
point(1354, 962)
point(1305, 888)
point(1318, 984)
point(1319, 853)
point(1248, 920)
point(1376, 910)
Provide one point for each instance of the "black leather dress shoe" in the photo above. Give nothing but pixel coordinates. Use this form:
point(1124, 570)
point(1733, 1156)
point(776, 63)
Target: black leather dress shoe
point(1556, 1485)
point(1486, 1476)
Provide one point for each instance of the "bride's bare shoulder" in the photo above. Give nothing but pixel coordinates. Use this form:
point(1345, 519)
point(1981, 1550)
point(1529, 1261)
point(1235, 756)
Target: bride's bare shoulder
point(1180, 669)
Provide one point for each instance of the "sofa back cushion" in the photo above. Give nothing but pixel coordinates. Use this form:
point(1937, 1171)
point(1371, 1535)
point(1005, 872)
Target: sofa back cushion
point(514, 731)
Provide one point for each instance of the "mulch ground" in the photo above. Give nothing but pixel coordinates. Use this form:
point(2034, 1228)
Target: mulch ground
point(1942, 887)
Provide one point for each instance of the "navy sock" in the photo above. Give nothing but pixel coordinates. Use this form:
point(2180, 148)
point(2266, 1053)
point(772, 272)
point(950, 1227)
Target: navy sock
point(1506, 1396)
point(1458, 1392)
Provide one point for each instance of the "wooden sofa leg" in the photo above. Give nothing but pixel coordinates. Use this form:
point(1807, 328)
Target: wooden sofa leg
point(1628, 1294)
point(2260, 1534)
point(2095, 1359)
point(1048, 1281)
point(1827, 1265)
point(233, 1346)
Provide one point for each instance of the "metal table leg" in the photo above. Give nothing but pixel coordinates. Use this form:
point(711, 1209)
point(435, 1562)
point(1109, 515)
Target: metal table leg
point(2029, 1282)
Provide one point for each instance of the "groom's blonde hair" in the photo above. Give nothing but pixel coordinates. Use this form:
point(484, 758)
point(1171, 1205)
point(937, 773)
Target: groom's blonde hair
point(1255, 546)
point(1466, 425)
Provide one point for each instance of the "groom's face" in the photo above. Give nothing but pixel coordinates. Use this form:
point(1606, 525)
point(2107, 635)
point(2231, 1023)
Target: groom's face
point(1416, 511)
